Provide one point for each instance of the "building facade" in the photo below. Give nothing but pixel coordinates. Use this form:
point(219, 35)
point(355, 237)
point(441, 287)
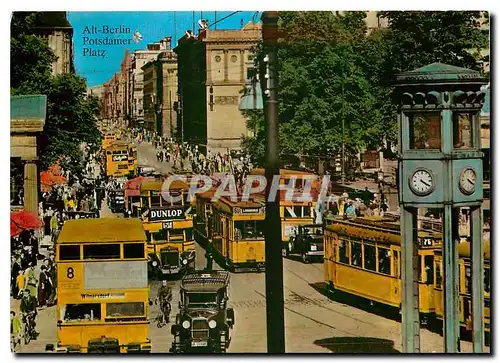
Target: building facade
point(58, 32)
point(212, 74)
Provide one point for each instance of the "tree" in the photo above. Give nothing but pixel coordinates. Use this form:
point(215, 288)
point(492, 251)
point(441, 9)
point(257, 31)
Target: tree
point(419, 38)
point(71, 116)
point(323, 80)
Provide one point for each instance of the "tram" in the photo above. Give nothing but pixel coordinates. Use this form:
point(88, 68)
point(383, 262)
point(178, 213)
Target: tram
point(363, 259)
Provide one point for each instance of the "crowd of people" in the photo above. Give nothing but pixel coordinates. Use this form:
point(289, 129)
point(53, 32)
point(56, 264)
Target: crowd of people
point(33, 273)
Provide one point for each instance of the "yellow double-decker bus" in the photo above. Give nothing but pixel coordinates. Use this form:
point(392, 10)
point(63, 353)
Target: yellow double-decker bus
point(237, 234)
point(107, 139)
point(169, 227)
point(121, 159)
point(102, 287)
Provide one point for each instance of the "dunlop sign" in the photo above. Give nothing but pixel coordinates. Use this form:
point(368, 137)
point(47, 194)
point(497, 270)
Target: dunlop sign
point(166, 214)
point(116, 275)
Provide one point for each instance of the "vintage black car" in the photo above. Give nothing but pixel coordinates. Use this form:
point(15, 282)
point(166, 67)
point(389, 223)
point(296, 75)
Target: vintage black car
point(170, 261)
point(307, 243)
point(204, 319)
point(116, 200)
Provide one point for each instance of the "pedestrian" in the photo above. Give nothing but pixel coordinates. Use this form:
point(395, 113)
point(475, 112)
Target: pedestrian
point(20, 284)
point(54, 226)
point(44, 289)
point(14, 270)
point(15, 330)
point(31, 281)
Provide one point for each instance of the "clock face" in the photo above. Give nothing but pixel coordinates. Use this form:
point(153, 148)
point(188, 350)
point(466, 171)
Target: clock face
point(467, 181)
point(421, 182)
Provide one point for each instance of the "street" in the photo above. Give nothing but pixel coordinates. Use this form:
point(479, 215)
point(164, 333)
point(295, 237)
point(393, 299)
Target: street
point(310, 317)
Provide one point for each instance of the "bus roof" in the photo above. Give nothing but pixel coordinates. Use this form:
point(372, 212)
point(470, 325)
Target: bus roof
point(100, 230)
point(156, 185)
point(119, 144)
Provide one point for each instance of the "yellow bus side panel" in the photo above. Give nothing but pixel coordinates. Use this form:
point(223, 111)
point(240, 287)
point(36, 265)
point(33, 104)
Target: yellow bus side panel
point(126, 333)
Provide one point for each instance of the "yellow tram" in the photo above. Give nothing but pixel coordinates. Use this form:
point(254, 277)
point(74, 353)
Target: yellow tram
point(363, 258)
point(294, 213)
point(108, 139)
point(237, 234)
point(465, 285)
point(102, 287)
point(121, 159)
point(168, 226)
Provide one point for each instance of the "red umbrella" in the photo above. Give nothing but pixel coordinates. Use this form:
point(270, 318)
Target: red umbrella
point(26, 220)
point(14, 229)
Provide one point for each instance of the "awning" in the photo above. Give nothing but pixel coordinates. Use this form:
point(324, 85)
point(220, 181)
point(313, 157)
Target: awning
point(14, 229)
point(26, 220)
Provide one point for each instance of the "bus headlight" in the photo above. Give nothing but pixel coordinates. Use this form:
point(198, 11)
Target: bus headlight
point(155, 263)
point(212, 324)
point(186, 324)
point(184, 261)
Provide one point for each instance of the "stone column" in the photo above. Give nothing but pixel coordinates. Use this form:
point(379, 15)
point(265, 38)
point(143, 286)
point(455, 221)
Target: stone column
point(31, 186)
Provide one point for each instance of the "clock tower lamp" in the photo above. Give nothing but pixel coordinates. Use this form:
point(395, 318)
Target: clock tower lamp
point(440, 166)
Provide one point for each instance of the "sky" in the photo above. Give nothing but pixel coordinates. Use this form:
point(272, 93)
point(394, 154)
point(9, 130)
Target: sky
point(98, 66)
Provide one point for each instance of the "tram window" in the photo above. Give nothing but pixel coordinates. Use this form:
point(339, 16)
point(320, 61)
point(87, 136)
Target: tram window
point(144, 202)
point(438, 274)
point(343, 252)
point(249, 229)
point(287, 212)
point(356, 254)
point(429, 269)
point(468, 280)
point(189, 234)
point(124, 309)
point(369, 257)
point(384, 261)
point(67, 253)
point(79, 312)
point(133, 250)
point(176, 234)
point(487, 280)
point(101, 251)
point(396, 264)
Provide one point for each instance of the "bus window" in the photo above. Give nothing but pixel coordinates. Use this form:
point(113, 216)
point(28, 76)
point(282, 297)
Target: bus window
point(369, 257)
point(176, 234)
point(249, 229)
point(356, 254)
point(384, 261)
point(101, 251)
point(298, 211)
point(160, 235)
point(79, 312)
point(133, 250)
point(343, 252)
point(189, 234)
point(115, 310)
point(67, 253)
point(429, 269)
point(155, 199)
point(487, 280)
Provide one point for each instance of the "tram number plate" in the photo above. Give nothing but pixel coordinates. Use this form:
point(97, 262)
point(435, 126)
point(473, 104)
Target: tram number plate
point(168, 225)
point(199, 344)
point(314, 248)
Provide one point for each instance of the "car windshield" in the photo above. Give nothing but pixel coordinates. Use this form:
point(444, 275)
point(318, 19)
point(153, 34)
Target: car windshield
point(202, 299)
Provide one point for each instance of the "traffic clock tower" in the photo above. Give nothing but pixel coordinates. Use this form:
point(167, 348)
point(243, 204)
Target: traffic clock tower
point(440, 166)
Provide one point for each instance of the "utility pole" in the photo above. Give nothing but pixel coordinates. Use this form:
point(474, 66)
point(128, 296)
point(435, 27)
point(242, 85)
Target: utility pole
point(274, 259)
point(343, 127)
